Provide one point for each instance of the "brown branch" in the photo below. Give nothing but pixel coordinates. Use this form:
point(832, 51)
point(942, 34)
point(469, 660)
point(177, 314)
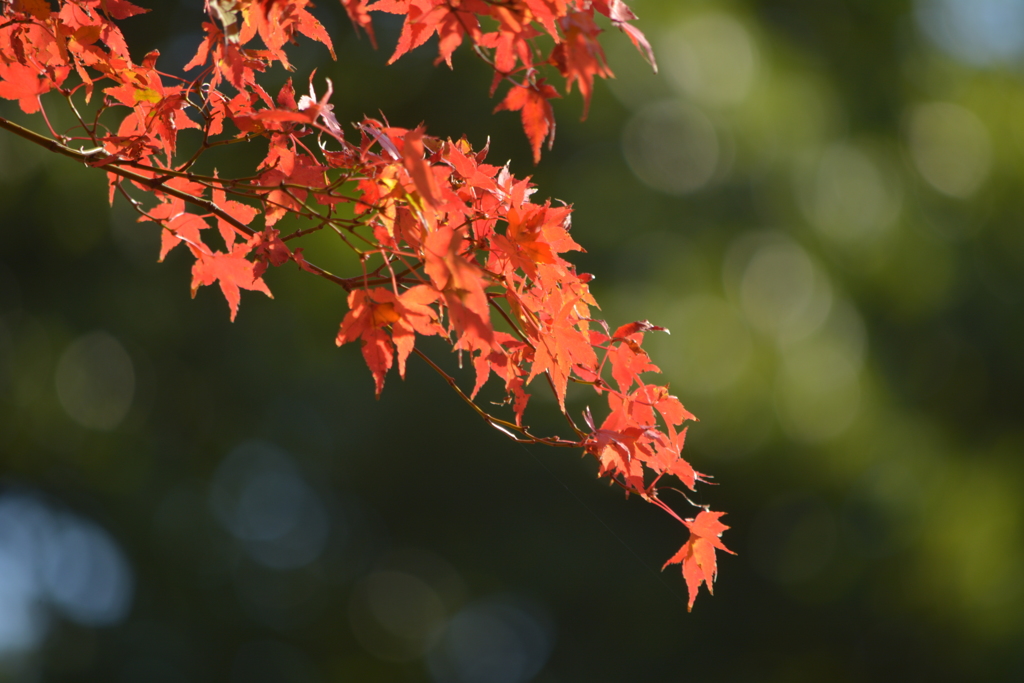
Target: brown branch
point(98, 157)
point(508, 428)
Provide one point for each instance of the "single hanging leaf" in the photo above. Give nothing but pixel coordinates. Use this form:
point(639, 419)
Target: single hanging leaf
point(698, 554)
point(620, 14)
point(370, 311)
point(232, 270)
point(270, 250)
point(360, 17)
point(560, 342)
point(579, 57)
point(308, 26)
point(531, 101)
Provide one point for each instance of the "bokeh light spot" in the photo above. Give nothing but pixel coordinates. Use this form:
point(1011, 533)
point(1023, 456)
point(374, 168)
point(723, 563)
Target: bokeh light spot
point(950, 147)
point(492, 641)
point(57, 559)
point(710, 346)
point(710, 57)
point(817, 391)
point(849, 197)
point(259, 496)
point(96, 381)
point(672, 147)
point(396, 616)
point(781, 291)
point(977, 32)
point(794, 539)
point(85, 574)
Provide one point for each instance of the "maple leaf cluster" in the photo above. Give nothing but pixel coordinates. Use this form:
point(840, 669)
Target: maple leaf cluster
point(509, 40)
point(449, 245)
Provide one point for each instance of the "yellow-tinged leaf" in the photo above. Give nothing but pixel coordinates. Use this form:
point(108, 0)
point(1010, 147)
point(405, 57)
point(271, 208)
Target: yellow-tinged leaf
point(147, 95)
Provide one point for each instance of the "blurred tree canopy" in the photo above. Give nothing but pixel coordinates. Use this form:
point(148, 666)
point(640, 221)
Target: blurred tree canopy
point(821, 199)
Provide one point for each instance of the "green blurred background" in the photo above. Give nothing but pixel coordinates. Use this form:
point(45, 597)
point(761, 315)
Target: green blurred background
point(820, 198)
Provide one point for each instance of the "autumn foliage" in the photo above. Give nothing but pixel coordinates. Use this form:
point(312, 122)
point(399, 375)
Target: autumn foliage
point(448, 245)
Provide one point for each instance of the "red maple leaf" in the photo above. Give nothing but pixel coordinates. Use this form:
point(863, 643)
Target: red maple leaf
point(422, 177)
point(506, 360)
point(178, 225)
point(284, 167)
point(579, 56)
point(698, 554)
point(423, 18)
point(357, 12)
point(524, 244)
point(462, 283)
point(184, 227)
point(23, 83)
point(531, 101)
point(668, 460)
point(270, 250)
point(277, 22)
point(414, 315)
point(40, 9)
point(620, 14)
point(475, 174)
point(121, 9)
point(370, 310)
point(243, 213)
point(617, 453)
point(560, 343)
point(232, 270)
point(512, 42)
